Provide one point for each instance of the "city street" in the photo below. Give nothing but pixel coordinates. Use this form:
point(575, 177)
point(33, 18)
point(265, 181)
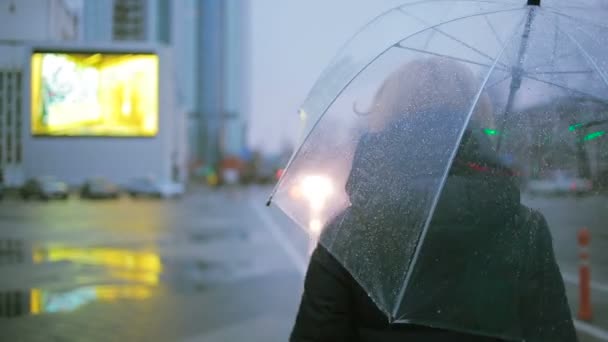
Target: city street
point(566, 216)
point(211, 266)
point(203, 268)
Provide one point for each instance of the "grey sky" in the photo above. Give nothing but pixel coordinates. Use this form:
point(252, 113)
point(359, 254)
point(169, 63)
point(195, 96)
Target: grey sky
point(291, 42)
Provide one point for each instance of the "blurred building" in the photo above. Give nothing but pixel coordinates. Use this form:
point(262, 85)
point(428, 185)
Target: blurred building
point(211, 43)
point(101, 110)
point(208, 40)
point(37, 20)
point(127, 20)
point(21, 21)
point(59, 125)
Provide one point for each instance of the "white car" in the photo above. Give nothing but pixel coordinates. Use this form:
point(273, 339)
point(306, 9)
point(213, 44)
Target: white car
point(150, 187)
point(560, 183)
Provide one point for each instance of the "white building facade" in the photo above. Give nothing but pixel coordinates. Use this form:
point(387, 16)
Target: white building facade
point(21, 21)
point(27, 26)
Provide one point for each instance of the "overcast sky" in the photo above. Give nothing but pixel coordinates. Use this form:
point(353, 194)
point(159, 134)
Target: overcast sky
point(291, 42)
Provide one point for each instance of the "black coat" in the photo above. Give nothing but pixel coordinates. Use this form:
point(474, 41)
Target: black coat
point(334, 307)
point(500, 268)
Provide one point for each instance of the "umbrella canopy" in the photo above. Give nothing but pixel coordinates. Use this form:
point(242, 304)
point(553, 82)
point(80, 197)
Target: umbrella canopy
point(420, 137)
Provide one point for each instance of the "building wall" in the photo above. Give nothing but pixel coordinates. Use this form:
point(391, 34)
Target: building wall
point(210, 86)
point(11, 114)
point(221, 83)
point(184, 43)
point(207, 37)
point(73, 159)
point(97, 20)
point(36, 19)
point(235, 70)
point(63, 24)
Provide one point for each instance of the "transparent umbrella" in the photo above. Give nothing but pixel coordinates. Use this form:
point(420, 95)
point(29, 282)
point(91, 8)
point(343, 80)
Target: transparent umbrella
point(422, 135)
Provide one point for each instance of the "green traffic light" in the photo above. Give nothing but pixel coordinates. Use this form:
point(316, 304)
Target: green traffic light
point(594, 135)
point(572, 128)
point(490, 131)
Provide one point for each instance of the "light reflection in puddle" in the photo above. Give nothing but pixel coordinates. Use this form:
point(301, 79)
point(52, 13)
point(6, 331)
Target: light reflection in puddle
point(137, 271)
point(43, 301)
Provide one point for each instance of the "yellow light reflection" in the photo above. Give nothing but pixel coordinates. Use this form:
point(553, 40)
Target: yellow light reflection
point(76, 94)
point(139, 269)
point(117, 258)
point(35, 301)
point(132, 266)
point(50, 301)
point(111, 293)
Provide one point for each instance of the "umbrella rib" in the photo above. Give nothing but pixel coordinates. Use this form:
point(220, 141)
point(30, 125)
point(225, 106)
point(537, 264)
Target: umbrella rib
point(558, 57)
point(398, 8)
point(481, 53)
point(498, 82)
point(599, 99)
point(409, 4)
point(577, 19)
point(560, 72)
point(287, 167)
point(464, 60)
point(445, 174)
point(586, 54)
point(573, 7)
point(493, 29)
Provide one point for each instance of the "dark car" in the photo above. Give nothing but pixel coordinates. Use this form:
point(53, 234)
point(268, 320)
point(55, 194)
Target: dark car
point(99, 188)
point(44, 188)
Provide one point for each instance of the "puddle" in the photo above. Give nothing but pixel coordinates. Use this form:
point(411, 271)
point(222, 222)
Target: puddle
point(59, 278)
point(104, 275)
point(38, 301)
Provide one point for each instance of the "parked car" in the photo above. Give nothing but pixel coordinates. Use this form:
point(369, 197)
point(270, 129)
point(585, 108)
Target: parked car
point(44, 188)
point(150, 187)
point(560, 183)
point(99, 187)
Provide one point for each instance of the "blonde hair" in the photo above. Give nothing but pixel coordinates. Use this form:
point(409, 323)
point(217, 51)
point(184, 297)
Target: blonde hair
point(424, 86)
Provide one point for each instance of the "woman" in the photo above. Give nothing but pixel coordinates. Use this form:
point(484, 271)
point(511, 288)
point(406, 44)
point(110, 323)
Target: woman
point(486, 270)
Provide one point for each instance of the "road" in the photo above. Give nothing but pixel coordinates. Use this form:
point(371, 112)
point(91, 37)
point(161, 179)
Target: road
point(212, 266)
point(203, 268)
point(566, 216)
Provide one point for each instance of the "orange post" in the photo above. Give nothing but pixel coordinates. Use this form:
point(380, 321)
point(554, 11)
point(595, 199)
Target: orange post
point(584, 310)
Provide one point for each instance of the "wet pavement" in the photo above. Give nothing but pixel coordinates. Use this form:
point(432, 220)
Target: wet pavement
point(566, 215)
point(212, 266)
point(202, 268)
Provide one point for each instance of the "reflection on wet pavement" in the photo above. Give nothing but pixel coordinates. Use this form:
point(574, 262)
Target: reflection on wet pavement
point(121, 263)
point(47, 301)
point(128, 275)
point(132, 271)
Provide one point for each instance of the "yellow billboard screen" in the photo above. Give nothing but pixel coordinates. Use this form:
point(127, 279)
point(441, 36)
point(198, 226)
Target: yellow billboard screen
point(94, 94)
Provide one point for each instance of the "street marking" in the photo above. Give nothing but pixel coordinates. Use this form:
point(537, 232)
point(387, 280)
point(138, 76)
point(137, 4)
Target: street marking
point(277, 233)
point(573, 279)
point(591, 330)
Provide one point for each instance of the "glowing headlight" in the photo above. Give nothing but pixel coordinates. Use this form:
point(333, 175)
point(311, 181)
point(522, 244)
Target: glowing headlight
point(316, 189)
